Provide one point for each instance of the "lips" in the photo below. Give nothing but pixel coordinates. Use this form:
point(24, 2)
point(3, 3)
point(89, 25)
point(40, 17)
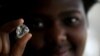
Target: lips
point(54, 49)
point(63, 51)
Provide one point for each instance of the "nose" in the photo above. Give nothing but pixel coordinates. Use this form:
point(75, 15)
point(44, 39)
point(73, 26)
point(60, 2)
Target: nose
point(57, 33)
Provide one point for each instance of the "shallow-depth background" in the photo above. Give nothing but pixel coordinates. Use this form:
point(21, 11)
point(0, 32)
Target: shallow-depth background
point(93, 40)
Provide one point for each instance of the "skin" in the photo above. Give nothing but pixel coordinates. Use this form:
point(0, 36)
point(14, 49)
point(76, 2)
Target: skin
point(63, 32)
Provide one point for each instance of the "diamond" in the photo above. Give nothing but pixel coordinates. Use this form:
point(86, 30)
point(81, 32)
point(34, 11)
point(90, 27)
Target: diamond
point(21, 31)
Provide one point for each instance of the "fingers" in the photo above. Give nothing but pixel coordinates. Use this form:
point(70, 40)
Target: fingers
point(0, 45)
point(4, 35)
point(20, 45)
point(11, 25)
point(5, 43)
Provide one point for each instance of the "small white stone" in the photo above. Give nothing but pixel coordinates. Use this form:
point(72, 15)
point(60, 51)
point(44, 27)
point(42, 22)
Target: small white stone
point(21, 31)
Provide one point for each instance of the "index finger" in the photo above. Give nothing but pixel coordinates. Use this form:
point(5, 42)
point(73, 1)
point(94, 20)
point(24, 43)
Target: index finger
point(10, 26)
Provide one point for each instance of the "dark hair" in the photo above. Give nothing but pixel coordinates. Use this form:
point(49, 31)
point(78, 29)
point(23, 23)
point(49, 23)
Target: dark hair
point(7, 4)
point(88, 4)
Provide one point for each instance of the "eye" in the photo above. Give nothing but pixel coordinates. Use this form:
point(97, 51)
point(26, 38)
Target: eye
point(71, 21)
point(38, 24)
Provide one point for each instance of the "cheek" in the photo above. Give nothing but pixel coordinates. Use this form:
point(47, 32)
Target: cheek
point(78, 37)
point(37, 40)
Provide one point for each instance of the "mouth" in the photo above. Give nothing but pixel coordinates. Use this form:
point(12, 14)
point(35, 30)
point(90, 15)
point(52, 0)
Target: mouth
point(52, 49)
point(58, 50)
point(63, 52)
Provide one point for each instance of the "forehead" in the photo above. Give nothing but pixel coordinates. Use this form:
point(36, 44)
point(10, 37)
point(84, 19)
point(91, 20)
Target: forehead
point(43, 3)
point(56, 6)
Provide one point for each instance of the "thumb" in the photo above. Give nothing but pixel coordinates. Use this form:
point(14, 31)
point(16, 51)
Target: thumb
point(20, 45)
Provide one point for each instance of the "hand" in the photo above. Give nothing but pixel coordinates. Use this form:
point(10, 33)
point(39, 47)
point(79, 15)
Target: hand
point(19, 46)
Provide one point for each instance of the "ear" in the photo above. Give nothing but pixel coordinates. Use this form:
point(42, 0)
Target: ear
point(88, 4)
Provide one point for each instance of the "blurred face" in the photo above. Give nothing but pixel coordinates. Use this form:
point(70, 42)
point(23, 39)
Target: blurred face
point(58, 28)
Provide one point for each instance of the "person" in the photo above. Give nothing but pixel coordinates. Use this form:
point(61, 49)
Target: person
point(57, 28)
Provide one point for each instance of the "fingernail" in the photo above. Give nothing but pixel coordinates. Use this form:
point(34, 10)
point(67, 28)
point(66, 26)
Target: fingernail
point(21, 20)
point(30, 34)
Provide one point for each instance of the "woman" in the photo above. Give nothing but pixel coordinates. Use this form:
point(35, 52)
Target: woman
point(63, 30)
